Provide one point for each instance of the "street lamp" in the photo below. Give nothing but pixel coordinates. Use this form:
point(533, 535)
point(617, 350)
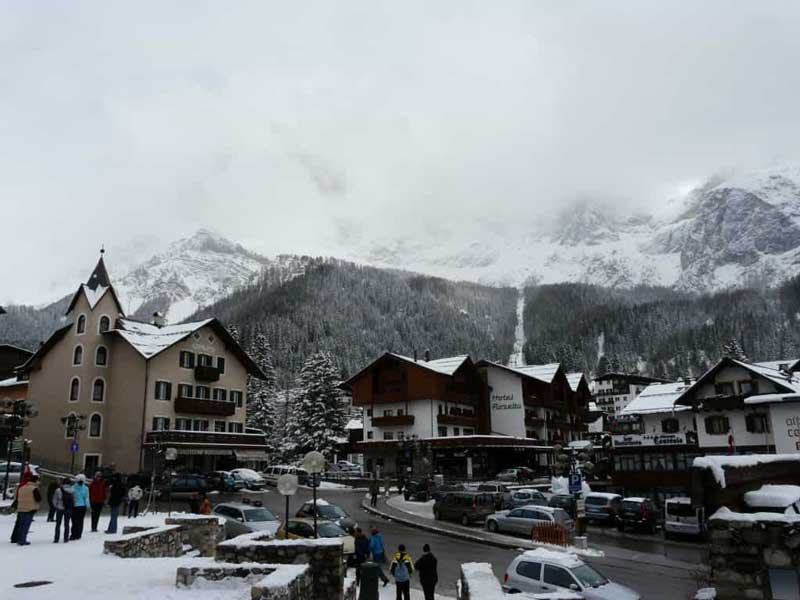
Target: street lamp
point(314, 463)
point(73, 425)
point(17, 417)
point(287, 486)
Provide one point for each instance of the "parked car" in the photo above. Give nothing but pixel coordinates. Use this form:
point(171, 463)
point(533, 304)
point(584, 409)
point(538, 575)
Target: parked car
point(252, 480)
point(522, 520)
point(464, 507)
point(602, 507)
point(515, 475)
point(500, 493)
point(637, 513)
point(244, 518)
point(14, 473)
point(329, 512)
point(224, 481)
point(304, 529)
point(526, 496)
point(681, 518)
point(418, 490)
point(542, 571)
point(564, 501)
point(439, 491)
point(185, 487)
point(272, 473)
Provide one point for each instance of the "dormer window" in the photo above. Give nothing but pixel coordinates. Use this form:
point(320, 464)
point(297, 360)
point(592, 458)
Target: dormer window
point(77, 356)
point(80, 326)
point(104, 324)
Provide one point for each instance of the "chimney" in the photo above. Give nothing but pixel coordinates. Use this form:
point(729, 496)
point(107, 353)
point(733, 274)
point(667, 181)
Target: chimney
point(158, 319)
point(415, 355)
point(687, 381)
point(427, 355)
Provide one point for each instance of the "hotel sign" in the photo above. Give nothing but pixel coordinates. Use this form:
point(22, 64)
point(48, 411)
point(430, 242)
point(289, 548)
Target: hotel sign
point(785, 419)
point(653, 439)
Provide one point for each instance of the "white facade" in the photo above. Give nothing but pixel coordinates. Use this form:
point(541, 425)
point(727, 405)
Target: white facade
point(425, 413)
point(612, 396)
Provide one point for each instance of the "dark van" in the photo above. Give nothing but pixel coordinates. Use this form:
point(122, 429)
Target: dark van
point(464, 507)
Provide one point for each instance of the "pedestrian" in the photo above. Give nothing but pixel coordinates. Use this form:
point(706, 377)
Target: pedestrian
point(371, 572)
point(428, 575)
point(374, 490)
point(376, 548)
point(134, 495)
point(98, 492)
point(401, 569)
point(205, 505)
point(63, 502)
point(361, 543)
point(116, 493)
point(51, 489)
point(28, 499)
point(80, 502)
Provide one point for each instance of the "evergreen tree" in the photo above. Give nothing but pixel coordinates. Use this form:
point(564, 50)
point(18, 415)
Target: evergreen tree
point(733, 349)
point(261, 393)
point(233, 329)
point(602, 365)
point(318, 413)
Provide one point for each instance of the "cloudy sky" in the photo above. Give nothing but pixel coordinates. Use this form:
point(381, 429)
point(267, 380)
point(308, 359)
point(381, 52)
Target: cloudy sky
point(296, 126)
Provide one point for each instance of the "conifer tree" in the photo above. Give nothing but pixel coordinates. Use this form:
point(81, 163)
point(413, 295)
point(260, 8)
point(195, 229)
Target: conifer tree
point(733, 349)
point(261, 393)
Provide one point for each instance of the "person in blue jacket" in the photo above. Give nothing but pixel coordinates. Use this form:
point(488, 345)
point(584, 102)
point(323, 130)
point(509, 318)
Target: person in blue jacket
point(376, 547)
point(80, 501)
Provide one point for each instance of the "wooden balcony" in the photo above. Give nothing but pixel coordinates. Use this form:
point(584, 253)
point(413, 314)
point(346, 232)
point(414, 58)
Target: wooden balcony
point(201, 406)
point(206, 373)
point(393, 421)
point(459, 420)
point(204, 438)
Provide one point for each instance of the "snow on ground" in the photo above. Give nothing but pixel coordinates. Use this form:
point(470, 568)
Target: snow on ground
point(419, 509)
point(330, 485)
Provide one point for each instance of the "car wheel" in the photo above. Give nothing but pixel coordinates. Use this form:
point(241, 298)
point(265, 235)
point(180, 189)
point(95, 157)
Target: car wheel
point(436, 514)
point(464, 519)
point(492, 526)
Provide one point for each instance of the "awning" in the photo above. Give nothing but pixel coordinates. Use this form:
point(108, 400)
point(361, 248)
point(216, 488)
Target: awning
point(203, 451)
point(251, 455)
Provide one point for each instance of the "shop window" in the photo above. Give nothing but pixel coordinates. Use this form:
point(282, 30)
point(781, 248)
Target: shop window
point(669, 426)
point(628, 462)
point(717, 425)
point(657, 462)
point(757, 423)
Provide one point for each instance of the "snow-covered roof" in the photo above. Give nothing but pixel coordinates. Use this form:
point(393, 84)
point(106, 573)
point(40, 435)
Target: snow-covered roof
point(776, 364)
point(444, 366)
point(541, 372)
point(726, 514)
point(354, 424)
point(574, 380)
point(772, 374)
point(150, 339)
point(717, 464)
point(773, 496)
point(93, 296)
point(772, 398)
point(657, 398)
point(11, 382)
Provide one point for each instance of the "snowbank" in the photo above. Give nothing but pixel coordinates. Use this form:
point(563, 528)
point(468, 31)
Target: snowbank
point(717, 464)
point(480, 581)
point(726, 514)
point(773, 496)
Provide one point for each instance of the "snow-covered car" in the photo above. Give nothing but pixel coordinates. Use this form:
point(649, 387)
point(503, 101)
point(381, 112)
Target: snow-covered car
point(547, 571)
point(252, 480)
point(330, 512)
point(784, 499)
point(522, 520)
point(244, 518)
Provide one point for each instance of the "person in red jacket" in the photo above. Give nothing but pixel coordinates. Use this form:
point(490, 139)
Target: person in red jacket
point(98, 492)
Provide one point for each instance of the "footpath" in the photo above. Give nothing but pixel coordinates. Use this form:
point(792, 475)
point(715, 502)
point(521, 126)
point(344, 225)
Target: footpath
point(603, 553)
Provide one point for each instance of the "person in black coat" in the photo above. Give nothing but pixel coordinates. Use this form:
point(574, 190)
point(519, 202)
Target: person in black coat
point(428, 575)
point(361, 543)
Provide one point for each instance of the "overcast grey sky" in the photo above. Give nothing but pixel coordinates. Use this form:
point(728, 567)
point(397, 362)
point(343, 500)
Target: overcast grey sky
point(288, 125)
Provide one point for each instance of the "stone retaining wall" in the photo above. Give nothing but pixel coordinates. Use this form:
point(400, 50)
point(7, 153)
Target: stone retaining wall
point(201, 533)
point(186, 576)
point(149, 543)
point(324, 558)
point(286, 582)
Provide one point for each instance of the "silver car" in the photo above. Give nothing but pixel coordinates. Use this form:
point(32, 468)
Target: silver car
point(527, 496)
point(245, 518)
point(547, 571)
point(521, 520)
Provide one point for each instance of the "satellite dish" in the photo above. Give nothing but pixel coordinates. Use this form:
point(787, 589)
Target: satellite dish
point(287, 484)
point(170, 454)
point(314, 462)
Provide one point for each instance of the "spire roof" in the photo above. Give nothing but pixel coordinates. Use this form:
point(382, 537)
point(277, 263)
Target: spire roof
point(99, 276)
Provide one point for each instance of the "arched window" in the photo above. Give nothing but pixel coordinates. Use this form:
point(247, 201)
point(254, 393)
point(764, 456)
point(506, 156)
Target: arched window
point(104, 324)
point(80, 326)
point(95, 426)
point(99, 390)
point(75, 389)
point(77, 356)
point(101, 356)
point(670, 425)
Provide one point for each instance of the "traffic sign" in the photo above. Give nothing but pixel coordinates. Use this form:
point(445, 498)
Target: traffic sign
point(575, 482)
point(73, 447)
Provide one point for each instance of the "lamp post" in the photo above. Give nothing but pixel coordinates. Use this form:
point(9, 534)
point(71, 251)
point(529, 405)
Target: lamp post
point(17, 418)
point(314, 463)
point(287, 486)
point(73, 425)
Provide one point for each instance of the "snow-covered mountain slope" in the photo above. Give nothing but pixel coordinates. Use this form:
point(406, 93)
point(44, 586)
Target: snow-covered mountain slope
point(730, 232)
point(195, 272)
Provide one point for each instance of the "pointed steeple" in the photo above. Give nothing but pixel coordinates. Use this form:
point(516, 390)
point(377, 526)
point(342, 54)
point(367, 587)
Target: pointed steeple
point(100, 275)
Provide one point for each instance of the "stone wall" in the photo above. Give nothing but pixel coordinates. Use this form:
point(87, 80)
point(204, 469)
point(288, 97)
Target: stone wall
point(742, 549)
point(201, 533)
point(286, 582)
point(324, 558)
point(477, 582)
point(149, 543)
point(186, 576)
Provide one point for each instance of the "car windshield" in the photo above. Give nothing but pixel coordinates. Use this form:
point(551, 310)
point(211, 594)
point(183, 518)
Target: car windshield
point(588, 576)
point(259, 514)
point(597, 501)
point(329, 530)
point(331, 512)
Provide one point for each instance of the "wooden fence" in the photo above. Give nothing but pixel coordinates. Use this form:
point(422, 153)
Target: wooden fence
point(550, 533)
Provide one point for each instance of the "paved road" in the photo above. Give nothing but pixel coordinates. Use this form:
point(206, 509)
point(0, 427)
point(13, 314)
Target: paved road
point(653, 582)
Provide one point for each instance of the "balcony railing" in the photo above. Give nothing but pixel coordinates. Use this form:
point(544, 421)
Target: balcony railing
point(462, 420)
point(206, 373)
point(202, 406)
point(205, 438)
point(393, 420)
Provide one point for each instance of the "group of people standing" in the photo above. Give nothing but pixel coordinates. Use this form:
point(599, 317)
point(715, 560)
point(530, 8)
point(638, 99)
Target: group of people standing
point(69, 500)
point(369, 572)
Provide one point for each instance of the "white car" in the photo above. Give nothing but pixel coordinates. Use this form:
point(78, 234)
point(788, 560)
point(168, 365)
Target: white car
point(252, 480)
point(546, 571)
point(244, 518)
